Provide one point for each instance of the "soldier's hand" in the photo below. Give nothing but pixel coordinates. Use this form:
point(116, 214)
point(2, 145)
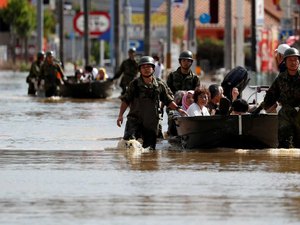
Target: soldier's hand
point(120, 121)
point(182, 112)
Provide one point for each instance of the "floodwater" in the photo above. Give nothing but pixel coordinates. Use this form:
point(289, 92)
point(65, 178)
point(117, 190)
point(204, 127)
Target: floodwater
point(59, 164)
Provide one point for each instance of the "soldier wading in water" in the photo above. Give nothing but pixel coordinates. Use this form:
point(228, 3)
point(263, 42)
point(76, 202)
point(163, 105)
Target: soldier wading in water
point(129, 69)
point(286, 90)
point(143, 96)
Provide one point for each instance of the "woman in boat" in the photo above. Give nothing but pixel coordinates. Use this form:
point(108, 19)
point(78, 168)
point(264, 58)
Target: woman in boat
point(187, 99)
point(102, 75)
point(198, 108)
point(143, 97)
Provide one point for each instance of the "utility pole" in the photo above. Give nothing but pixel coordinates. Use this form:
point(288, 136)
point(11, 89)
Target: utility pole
point(61, 30)
point(169, 33)
point(147, 20)
point(40, 24)
point(191, 26)
point(228, 36)
point(127, 23)
point(86, 32)
point(116, 33)
point(253, 36)
point(239, 55)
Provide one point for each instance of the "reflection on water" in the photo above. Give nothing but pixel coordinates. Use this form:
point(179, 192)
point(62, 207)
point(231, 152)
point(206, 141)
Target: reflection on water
point(59, 165)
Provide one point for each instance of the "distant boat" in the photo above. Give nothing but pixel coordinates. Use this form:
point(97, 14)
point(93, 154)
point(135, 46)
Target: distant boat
point(73, 89)
point(233, 131)
point(91, 89)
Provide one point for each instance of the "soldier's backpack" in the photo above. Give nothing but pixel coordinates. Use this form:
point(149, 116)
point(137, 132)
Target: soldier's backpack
point(238, 77)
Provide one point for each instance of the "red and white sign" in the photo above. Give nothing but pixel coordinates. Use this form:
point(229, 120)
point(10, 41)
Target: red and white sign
point(99, 23)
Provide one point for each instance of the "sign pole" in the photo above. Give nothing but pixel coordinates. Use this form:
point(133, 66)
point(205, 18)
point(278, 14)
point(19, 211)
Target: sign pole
point(86, 33)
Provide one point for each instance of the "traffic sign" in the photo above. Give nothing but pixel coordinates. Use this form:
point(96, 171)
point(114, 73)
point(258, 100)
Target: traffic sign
point(204, 18)
point(99, 23)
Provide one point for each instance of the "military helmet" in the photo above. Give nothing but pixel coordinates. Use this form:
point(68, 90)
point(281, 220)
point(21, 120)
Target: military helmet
point(186, 55)
point(147, 60)
point(49, 53)
point(291, 52)
point(132, 49)
point(281, 48)
point(40, 54)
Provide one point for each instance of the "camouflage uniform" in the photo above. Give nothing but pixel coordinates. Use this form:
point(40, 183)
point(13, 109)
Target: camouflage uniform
point(49, 73)
point(143, 117)
point(33, 76)
point(286, 90)
point(177, 81)
point(129, 69)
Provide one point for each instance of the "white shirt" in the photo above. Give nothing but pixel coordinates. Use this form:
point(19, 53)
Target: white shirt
point(194, 110)
point(159, 68)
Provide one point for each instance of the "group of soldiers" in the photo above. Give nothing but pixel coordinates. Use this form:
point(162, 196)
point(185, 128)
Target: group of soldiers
point(45, 74)
point(144, 94)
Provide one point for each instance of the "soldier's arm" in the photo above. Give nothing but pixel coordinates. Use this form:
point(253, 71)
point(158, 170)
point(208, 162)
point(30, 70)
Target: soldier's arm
point(272, 95)
point(119, 71)
point(123, 108)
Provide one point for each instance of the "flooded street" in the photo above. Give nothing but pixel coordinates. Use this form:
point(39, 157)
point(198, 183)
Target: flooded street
point(59, 164)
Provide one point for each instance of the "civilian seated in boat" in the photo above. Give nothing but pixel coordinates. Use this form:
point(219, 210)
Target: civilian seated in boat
point(187, 99)
point(198, 108)
point(215, 95)
point(89, 74)
point(102, 75)
point(78, 75)
point(239, 107)
point(217, 100)
point(172, 131)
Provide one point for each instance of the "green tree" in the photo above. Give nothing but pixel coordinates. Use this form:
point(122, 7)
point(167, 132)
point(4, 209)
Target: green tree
point(21, 16)
point(49, 23)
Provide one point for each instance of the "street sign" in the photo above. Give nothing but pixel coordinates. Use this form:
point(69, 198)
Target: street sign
point(204, 18)
point(99, 23)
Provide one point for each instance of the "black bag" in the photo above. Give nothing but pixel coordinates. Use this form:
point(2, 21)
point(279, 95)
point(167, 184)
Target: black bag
point(237, 77)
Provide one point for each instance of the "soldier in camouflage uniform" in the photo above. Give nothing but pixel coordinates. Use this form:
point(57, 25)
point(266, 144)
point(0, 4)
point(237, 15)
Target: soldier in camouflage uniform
point(286, 90)
point(182, 79)
point(143, 97)
point(34, 73)
point(129, 69)
point(52, 74)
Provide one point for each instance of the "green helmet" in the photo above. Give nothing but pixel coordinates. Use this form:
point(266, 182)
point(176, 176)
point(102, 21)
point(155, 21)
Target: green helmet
point(49, 53)
point(186, 55)
point(291, 52)
point(146, 60)
point(132, 49)
point(40, 54)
